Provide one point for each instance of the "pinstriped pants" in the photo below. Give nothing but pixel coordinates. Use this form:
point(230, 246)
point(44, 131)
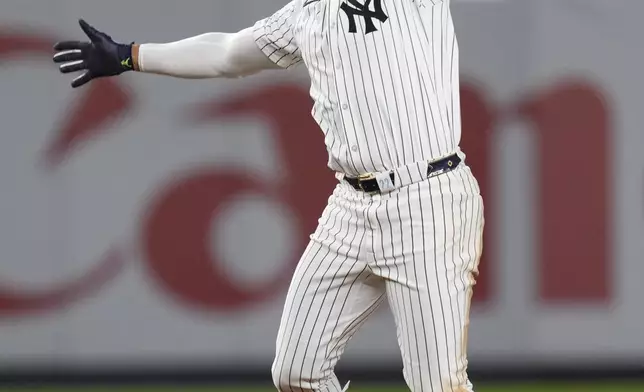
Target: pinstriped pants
point(418, 247)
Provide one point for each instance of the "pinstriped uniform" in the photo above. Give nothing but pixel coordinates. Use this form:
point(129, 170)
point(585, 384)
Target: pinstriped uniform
point(385, 83)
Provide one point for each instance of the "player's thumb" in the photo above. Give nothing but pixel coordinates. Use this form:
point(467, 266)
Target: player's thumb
point(91, 32)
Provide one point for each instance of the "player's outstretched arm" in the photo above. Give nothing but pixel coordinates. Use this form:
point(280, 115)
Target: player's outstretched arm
point(212, 55)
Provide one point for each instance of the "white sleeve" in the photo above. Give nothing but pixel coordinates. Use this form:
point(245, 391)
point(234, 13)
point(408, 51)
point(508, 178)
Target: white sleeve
point(211, 55)
point(275, 36)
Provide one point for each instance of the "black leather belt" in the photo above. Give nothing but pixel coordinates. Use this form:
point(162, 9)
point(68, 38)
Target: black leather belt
point(369, 184)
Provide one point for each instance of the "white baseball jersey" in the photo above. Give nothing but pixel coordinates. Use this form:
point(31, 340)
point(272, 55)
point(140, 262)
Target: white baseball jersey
point(384, 77)
point(385, 84)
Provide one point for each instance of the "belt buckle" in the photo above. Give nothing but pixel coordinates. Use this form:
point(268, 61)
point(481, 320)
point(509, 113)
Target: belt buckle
point(430, 169)
point(366, 177)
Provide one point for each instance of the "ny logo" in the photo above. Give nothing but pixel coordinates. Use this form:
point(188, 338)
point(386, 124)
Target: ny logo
point(357, 9)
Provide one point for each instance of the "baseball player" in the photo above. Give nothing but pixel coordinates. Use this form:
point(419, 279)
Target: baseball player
point(405, 221)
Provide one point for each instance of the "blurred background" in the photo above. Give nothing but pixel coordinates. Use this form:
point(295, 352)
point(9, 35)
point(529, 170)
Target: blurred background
point(147, 241)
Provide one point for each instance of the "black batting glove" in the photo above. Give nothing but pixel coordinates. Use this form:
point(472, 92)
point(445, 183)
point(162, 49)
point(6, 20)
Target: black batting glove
point(99, 58)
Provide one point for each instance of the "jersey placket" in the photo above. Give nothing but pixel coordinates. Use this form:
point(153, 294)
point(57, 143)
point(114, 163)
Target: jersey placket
point(342, 107)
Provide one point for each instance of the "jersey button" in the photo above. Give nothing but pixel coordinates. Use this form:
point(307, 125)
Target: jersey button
point(338, 66)
point(345, 106)
point(354, 148)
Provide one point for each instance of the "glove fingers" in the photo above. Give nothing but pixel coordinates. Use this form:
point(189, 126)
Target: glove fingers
point(81, 80)
point(91, 32)
point(73, 67)
point(70, 45)
point(68, 55)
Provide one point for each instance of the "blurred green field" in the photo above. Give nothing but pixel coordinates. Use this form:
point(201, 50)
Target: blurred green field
point(507, 387)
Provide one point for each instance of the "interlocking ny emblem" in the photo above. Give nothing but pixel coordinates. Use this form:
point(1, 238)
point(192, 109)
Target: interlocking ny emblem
point(357, 9)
